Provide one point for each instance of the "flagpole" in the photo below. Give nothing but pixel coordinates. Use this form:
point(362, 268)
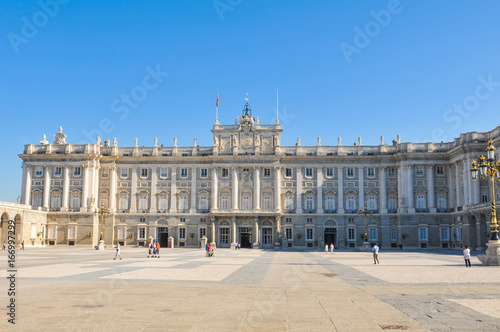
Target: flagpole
point(277, 107)
point(217, 108)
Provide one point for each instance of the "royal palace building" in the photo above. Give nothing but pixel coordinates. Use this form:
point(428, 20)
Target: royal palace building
point(247, 188)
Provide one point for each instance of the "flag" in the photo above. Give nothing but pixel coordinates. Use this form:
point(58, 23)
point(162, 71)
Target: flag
point(217, 103)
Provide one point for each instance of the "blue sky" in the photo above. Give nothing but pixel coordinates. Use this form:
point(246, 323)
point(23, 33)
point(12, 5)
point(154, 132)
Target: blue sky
point(424, 69)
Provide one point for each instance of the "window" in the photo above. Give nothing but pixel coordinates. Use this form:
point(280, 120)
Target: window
point(351, 203)
point(142, 219)
point(71, 232)
point(202, 232)
point(39, 171)
point(370, 172)
point(203, 220)
point(419, 170)
point(445, 234)
point(267, 172)
point(123, 202)
point(394, 234)
point(288, 220)
point(121, 233)
point(329, 172)
point(289, 233)
point(75, 201)
point(183, 202)
point(350, 220)
point(57, 171)
point(144, 172)
point(56, 201)
point(350, 172)
point(422, 234)
point(182, 233)
point(372, 234)
point(182, 219)
point(225, 172)
point(371, 203)
point(330, 203)
point(309, 202)
point(309, 234)
point(351, 234)
point(309, 220)
point(203, 202)
point(439, 170)
point(421, 201)
point(392, 204)
point(143, 202)
point(484, 198)
point(268, 235)
point(246, 202)
point(204, 172)
point(37, 199)
point(309, 172)
point(391, 171)
point(246, 170)
point(224, 235)
point(184, 172)
point(267, 202)
point(162, 203)
point(163, 173)
point(105, 173)
point(124, 173)
point(441, 202)
point(142, 233)
point(38, 183)
point(289, 202)
point(51, 232)
point(288, 172)
point(224, 202)
point(459, 234)
point(77, 171)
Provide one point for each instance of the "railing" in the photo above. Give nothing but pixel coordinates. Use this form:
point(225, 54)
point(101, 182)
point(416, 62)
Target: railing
point(421, 210)
point(351, 211)
point(331, 211)
point(392, 211)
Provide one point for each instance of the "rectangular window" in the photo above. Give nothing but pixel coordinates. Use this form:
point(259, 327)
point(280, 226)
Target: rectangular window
point(370, 172)
point(267, 203)
point(124, 173)
point(350, 220)
point(459, 234)
point(77, 171)
point(142, 233)
point(351, 234)
point(289, 233)
point(105, 173)
point(163, 173)
point(182, 219)
point(184, 172)
point(203, 202)
point(392, 204)
point(288, 220)
point(267, 172)
point(329, 172)
point(202, 233)
point(372, 234)
point(144, 172)
point(419, 170)
point(203, 220)
point(71, 232)
point(484, 198)
point(224, 202)
point(394, 234)
point(142, 219)
point(309, 220)
point(309, 234)
point(182, 233)
point(391, 171)
point(204, 172)
point(225, 172)
point(39, 171)
point(439, 170)
point(58, 171)
point(309, 172)
point(350, 172)
point(422, 235)
point(246, 170)
point(288, 172)
point(445, 234)
point(121, 233)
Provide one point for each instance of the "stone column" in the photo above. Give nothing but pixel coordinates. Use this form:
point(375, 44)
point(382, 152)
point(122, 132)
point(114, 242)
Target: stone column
point(277, 188)
point(96, 184)
point(466, 180)
point(431, 201)
point(361, 188)
point(411, 196)
point(233, 232)
point(215, 189)
point(340, 189)
point(402, 203)
point(451, 196)
point(299, 190)
point(213, 233)
point(154, 184)
point(476, 193)
point(112, 189)
point(85, 188)
point(320, 189)
point(27, 187)
point(23, 184)
point(383, 190)
point(235, 189)
point(65, 194)
point(458, 187)
point(194, 190)
point(46, 188)
point(133, 192)
point(173, 191)
point(256, 191)
point(278, 232)
point(256, 241)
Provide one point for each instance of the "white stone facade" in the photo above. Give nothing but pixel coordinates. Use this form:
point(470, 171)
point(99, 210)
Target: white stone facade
point(250, 189)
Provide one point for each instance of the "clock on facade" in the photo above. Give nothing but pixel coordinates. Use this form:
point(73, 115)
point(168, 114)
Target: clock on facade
point(246, 142)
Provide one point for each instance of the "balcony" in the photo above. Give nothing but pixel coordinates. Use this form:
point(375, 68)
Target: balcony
point(203, 210)
point(392, 211)
point(351, 211)
point(422, 210)
point(331, 211)
point(442, 210)
point(310, 211)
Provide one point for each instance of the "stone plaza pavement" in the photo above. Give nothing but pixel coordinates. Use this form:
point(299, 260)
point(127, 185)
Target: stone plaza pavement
point(80, 289)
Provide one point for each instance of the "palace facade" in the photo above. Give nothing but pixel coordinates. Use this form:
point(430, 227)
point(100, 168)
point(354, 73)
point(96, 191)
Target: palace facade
point(248, 188)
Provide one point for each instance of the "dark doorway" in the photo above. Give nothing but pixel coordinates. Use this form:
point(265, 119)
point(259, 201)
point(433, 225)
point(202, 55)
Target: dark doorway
point(163, 236)
point(331, 236)
point(246, 240)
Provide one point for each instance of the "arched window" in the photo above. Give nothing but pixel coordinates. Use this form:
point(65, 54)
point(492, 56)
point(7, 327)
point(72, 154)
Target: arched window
point(442, 203)
point(75, 201)
point(143, 201)
point(371, 202)
point(55, 202)
point(225, 200)
point(162, 202)
point(123, 202)
point(183, 201)
point(421, 201)
point(203, 202)
point(309, 202)
point(267, 201)
point(330, 202)
point(351, 203)
point(246, 200)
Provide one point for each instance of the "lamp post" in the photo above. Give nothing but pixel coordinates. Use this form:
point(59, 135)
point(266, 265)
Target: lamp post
point(102, 213)
point(489, 167)
point(365, 212)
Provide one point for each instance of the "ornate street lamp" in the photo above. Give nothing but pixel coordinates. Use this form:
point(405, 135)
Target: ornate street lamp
point(488, 166)
point(365, 212)
point(102, 213)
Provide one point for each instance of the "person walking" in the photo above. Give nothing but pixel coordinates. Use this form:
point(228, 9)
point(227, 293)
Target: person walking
point(209, 249)
point(22, 245)
point(117, 253)
point(4, 245)
point(375, 254)
point(331, 248)
point(326, 248)
point(206, 249)
point(158, 248)
point(150, 249)
point(467, 256)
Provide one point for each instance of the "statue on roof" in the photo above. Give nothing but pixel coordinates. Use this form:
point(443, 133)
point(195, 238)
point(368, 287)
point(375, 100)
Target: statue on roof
point(60, 137)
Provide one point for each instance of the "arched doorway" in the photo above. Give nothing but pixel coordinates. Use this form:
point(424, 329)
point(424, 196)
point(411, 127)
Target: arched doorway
point(5, 227)
point(19, 228)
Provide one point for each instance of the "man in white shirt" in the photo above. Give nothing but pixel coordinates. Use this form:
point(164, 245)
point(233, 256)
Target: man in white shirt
point(375, 254)
point(467, 256)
